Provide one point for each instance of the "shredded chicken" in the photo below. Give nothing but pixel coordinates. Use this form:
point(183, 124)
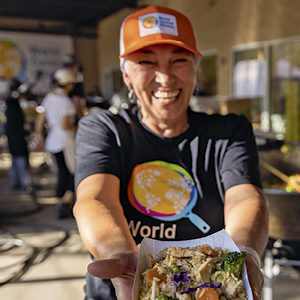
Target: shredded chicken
point(203, 271)
point(231, 286)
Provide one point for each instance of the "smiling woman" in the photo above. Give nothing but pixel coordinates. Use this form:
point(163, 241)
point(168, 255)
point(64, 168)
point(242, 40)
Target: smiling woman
point(159, 169)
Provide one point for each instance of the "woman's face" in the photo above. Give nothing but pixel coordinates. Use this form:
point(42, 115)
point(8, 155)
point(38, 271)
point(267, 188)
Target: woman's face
point(163, 78)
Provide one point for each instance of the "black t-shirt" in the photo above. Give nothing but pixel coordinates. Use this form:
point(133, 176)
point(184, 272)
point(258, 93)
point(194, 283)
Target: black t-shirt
point(78, 90)
point(171, 188)
point(14, 127)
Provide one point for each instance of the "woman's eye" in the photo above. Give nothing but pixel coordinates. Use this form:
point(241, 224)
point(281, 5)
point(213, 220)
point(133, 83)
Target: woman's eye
point(180, 60)
point(145, 62)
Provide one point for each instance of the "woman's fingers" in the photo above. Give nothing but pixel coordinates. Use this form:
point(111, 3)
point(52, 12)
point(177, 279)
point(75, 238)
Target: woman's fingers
point(256, 277)
point(117, 265)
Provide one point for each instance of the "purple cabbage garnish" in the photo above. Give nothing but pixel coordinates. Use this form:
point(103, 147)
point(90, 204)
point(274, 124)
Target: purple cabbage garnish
point(181, 277)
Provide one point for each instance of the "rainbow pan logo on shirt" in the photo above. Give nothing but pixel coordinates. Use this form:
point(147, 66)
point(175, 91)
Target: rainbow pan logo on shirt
point(164, 191)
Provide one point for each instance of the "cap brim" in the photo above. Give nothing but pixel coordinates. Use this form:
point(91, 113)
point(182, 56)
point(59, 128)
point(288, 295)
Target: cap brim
point(159, 42)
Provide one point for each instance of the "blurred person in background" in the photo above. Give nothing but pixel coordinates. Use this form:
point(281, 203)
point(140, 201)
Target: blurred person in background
point(71, 63)
point(16, 138)
point(58, 110)
point(137, 170)
point(95, 100)
point(95, 91)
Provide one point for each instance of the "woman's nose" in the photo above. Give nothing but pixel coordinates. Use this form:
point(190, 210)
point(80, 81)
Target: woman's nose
point(164, 75)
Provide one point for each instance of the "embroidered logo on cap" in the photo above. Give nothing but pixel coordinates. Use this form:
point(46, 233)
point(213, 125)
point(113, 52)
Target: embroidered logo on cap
point(157, 23)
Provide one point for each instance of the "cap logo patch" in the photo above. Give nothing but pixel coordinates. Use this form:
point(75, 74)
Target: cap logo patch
point(157, 23)
point(149, 22)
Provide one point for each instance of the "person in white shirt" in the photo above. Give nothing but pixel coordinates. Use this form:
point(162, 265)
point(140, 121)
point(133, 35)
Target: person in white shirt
point(58, 110)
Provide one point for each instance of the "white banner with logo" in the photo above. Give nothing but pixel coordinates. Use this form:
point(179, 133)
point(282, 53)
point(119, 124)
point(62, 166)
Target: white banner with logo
point(23, 55)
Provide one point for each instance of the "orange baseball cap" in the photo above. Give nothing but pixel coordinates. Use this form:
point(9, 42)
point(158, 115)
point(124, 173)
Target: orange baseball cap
point(156, 25)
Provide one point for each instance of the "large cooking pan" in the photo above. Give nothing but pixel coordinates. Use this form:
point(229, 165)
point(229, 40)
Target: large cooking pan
point(284, 222)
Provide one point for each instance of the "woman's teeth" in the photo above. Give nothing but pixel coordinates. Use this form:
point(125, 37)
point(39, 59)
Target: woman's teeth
point(166, 97)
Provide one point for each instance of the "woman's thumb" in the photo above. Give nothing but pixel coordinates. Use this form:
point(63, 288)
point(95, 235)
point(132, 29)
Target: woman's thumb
point(107, 268)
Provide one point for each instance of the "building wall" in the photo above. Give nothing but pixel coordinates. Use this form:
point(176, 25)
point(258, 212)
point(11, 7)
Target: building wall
point(108, 43)
point(86, 52)
point(219, 25)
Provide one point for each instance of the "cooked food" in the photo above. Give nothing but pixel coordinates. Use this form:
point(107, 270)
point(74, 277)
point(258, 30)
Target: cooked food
point(194, 273)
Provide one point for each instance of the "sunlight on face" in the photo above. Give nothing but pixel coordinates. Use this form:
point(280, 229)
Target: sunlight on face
point(163, 78)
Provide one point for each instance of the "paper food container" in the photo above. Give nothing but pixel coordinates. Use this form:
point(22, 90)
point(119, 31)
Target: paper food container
point(150, 247)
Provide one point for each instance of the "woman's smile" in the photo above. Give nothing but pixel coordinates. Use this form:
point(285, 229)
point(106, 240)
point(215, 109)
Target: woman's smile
point(166, 97)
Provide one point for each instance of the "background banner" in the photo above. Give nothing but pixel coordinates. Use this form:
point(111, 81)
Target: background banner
point(23, 55)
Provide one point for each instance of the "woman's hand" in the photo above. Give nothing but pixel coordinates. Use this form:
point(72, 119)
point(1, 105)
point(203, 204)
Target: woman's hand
point(255, 275)
point(121, 268)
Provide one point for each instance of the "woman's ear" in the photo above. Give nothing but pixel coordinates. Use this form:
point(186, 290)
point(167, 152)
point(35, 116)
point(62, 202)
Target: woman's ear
point(127, 80)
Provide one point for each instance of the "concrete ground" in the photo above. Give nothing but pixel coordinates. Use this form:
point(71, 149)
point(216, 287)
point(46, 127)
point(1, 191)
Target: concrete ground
point(49, 260)
point(48, 252)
